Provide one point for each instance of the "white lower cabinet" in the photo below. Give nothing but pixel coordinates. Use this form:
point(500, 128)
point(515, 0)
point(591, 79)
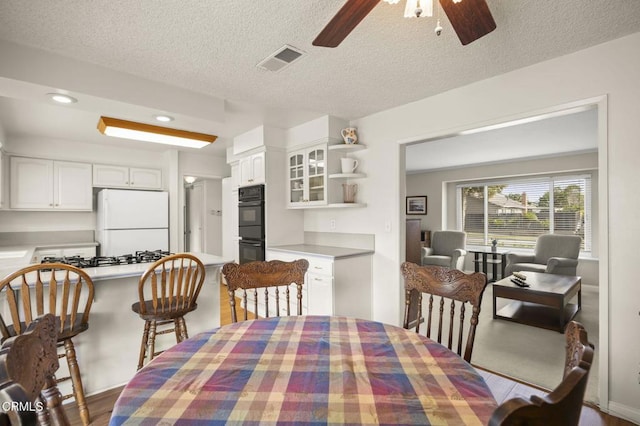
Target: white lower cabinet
point(334, 286)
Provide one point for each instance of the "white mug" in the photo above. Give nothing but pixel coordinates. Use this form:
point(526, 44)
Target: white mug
point(349, 165)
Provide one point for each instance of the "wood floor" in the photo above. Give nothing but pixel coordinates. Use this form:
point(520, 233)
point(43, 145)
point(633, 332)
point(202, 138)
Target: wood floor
point(503, 388)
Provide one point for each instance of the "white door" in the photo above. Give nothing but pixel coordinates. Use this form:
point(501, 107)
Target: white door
point(195, 210)
point(31, 183)
point(72, 188)
point(128, 241)
point(229, 220)
point(110, 176)
point(145, 178)
point(258, 168)
point(127, 209)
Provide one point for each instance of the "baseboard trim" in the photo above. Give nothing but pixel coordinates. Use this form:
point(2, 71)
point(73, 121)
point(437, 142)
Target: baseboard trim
point(624, 412)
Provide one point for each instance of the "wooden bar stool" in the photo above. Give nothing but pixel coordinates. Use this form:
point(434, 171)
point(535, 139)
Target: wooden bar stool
point(57, 289)
point(172, 285)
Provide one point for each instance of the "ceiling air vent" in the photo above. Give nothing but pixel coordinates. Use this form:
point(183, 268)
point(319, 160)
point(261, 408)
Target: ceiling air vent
point(281, 58)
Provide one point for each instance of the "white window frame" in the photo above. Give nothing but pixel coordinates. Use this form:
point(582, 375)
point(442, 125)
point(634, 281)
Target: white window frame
point(551, 179)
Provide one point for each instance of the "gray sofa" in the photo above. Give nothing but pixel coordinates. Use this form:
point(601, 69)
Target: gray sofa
point(553, 254)
point(447, 249)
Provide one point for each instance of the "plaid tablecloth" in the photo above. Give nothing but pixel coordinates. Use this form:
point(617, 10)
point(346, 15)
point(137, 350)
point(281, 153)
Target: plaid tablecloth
point(306, 370)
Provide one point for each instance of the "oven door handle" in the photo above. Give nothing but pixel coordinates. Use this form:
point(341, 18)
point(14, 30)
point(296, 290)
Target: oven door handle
point(244, 243)
point(250, 203)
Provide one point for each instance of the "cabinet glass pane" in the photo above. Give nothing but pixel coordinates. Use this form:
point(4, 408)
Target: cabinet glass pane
point(316, 162)
point(316, 188)
point(296, 190)
point(296, 172)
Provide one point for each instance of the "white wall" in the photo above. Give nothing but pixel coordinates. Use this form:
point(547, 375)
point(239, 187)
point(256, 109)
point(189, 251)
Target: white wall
point(610, 70)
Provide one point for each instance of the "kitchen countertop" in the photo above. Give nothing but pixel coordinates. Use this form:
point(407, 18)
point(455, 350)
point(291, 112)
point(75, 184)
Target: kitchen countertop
point(137, 269)
point(8, 266)
point(324, 251)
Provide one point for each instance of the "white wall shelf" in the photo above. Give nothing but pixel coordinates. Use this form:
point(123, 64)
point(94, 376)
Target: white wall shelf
point(347, 147)
point(331, 206)
point(347, 175)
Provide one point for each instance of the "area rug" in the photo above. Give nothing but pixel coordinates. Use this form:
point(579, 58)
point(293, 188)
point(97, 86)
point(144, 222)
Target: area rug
point(532, 354)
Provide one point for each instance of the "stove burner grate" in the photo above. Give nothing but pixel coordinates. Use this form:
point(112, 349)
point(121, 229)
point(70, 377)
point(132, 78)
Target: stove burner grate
point(146, 256)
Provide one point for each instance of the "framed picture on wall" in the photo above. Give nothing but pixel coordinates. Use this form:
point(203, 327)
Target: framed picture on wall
point(417, 204)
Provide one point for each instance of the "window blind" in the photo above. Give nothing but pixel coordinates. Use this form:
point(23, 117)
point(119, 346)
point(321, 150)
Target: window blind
point(516, 211)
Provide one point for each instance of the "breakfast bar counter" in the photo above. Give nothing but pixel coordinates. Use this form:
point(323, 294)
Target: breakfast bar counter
point(108, 351)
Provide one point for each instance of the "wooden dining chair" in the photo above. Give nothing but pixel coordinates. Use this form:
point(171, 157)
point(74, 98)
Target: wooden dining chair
point(274, 275)
point(28, 363)
point(62, 290)
point(167, 291)
point(453, 287)
point(563, 405)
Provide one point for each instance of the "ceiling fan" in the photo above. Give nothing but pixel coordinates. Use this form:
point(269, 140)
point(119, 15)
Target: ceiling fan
point(471, 19)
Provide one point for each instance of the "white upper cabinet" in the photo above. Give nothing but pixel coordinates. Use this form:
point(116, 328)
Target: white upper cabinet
point(307, 176)
point(315, 177)
point(38, 184)
point(252, 169)
point(108, 176)
point(145, 178)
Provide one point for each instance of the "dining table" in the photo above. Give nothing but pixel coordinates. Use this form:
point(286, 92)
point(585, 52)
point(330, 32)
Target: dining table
point(315, 370)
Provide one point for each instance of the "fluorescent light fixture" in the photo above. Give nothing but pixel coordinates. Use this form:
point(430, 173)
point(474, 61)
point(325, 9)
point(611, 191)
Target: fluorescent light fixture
point(61, 98)
point(150, 133)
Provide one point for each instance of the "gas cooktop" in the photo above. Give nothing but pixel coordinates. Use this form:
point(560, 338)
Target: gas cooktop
point(146, 256)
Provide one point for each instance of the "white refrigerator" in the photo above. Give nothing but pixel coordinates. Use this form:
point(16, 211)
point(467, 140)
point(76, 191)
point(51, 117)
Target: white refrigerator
point(128, 221)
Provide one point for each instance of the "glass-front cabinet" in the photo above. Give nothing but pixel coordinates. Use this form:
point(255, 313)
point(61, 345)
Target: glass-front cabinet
point(308, 176)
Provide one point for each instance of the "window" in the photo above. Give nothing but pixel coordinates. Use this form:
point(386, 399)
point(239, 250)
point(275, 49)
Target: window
point(515, 212)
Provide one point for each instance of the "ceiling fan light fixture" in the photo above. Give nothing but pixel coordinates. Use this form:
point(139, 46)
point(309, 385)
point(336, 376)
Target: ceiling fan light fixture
point(149, 133)
point(418, 8)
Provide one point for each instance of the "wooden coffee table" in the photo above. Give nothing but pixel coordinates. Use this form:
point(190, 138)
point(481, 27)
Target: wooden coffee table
point(545, 303)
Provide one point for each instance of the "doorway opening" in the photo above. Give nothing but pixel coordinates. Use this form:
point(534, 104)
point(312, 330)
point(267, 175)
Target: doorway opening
point(440, 188)
point(202, 215)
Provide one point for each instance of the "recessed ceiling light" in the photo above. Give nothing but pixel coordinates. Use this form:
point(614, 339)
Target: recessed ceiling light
point(62, 99)
point(163, 118)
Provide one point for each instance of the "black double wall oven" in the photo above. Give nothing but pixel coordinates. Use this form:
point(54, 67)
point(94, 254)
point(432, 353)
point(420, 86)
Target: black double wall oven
point(251, 223)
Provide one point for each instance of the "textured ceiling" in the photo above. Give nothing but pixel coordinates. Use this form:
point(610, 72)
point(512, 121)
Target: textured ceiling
point(212, 47)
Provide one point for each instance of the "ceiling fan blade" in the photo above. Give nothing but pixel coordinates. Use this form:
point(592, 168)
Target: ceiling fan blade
point(471, 19)
point(347, 18)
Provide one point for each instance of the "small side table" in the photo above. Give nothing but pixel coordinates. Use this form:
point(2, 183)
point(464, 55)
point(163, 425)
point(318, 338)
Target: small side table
point(487, 256)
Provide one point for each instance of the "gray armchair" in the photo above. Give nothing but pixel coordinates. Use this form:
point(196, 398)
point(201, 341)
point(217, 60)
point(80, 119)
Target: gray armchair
point(447, 249)
point(553, 254)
